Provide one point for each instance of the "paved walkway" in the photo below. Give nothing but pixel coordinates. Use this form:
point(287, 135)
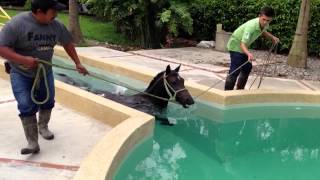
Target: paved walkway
point(206, 74)
point(76, 134)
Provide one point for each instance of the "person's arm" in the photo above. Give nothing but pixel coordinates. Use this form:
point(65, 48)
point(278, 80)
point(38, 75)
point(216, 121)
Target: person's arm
point(9, 35)
point(246, 51)
point(70, 49)
point(9, 54)
point(268, 35)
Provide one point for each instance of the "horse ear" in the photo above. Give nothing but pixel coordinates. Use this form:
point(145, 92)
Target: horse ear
point(168, 70)
point(178, 68)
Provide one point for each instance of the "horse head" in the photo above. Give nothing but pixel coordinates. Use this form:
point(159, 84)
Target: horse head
point(170, 85)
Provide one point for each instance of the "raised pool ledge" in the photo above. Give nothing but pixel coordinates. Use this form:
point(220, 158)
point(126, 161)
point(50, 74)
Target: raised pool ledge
point(129, 128)
point(237, 97)
point(216, 96)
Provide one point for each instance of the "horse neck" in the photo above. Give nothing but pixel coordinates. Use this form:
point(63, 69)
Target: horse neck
point(158, 90)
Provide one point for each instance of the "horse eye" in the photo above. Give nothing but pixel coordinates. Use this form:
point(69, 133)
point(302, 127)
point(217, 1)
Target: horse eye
point(177, 80)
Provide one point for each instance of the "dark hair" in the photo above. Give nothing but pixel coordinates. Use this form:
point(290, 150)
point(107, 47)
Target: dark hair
point(267, 11)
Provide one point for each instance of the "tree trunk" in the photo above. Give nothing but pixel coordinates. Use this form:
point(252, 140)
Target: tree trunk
point(74, 25)
point(299, 49)
point(150, 38)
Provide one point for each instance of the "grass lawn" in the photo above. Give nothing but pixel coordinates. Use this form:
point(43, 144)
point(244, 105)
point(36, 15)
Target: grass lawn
point(91, 28)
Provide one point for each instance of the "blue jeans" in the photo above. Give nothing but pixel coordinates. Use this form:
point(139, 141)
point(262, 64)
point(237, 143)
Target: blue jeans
point(21, 87)
point(238, 59)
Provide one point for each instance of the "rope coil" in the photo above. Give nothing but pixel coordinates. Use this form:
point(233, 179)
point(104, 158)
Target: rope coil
point(36, 84)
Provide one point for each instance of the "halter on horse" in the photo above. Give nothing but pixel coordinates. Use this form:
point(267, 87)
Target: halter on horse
point(166, 86)
point(169, 85)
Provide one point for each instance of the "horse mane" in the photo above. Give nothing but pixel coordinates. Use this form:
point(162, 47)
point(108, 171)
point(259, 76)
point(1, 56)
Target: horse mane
point(154, 80)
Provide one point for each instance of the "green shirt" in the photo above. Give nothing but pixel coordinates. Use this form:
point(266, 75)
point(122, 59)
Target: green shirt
point(246, 33)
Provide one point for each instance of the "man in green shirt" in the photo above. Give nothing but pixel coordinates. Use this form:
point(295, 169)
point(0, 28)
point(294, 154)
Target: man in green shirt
point(239, 43)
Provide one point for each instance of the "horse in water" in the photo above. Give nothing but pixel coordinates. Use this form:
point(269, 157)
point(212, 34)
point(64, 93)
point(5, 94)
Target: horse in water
point(165, 86)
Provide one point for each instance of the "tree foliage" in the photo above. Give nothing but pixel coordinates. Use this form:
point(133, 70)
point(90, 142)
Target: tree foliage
point(138, 19)
point(146, 21)
point(232, 13)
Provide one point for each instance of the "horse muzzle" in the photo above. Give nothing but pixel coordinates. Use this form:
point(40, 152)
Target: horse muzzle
point(189, 102)
point(185, 101)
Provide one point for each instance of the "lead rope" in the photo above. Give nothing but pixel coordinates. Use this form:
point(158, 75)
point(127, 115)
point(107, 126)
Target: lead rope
point(267, 61)
point(212, 86)
point(216, 83)
point(42, 69)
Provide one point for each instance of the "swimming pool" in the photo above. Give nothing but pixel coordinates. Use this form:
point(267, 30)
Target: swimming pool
point(275, 141)
point(238, 142)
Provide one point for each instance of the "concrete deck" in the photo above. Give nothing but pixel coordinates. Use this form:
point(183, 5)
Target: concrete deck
point(76, 134)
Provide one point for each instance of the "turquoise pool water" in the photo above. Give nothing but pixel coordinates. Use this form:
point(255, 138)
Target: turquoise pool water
point(276, 141)
point(96, 84)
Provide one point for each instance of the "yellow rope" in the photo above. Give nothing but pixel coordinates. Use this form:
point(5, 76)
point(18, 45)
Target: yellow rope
point(5, 13)
point(100, 78)
point(5, 16)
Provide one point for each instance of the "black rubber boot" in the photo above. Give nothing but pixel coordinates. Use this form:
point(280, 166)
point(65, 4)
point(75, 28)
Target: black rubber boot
point(44, 118)
point(31, 132)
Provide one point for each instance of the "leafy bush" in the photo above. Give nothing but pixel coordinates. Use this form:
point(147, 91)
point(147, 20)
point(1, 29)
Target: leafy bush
point(146, 21)
point(150, 21)
point(27, 5)
point(232, 13)
point(97, 7)
point(176, 18)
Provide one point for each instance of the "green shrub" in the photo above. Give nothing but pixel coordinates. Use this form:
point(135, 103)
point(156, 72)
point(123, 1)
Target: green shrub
point(146, 21)
point(97, 7)
point(27, 5)
point(152, 20)
point(176, 18)
point(232, 13)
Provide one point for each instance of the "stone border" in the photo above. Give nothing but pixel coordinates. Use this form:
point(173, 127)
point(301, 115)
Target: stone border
point(228, 98)
point(224, 98)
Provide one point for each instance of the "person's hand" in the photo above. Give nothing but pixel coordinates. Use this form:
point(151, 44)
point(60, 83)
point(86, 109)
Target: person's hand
point(30, 62)
point(250, 57)
point(81, 69)
point(275, 40)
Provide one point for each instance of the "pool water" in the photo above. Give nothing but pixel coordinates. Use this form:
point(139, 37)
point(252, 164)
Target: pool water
point(93, 84)
point(278, 141)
